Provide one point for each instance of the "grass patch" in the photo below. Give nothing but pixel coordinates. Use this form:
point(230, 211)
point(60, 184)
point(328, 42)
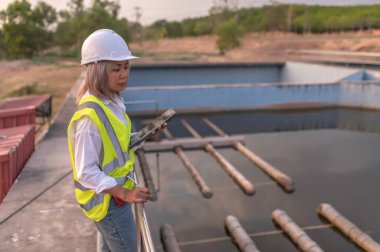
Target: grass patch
point(52, 58)
point(25, 90)
point(172, 56)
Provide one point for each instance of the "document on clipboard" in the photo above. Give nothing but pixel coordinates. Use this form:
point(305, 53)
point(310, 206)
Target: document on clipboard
point(149, 129)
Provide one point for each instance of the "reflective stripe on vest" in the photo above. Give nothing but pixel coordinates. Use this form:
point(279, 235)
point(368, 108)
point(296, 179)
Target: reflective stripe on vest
point(120, 161)
point(96, 199)
point(122, 157)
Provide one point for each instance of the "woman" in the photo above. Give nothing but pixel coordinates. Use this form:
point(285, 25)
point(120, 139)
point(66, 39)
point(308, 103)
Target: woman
point(99, 136)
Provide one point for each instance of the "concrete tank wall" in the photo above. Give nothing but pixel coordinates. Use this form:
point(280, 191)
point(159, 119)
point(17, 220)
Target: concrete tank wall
point(175, 75)
point(363, 121)
point(202, 97)
point(311, 73)
point(362, 94)
point(249, 86)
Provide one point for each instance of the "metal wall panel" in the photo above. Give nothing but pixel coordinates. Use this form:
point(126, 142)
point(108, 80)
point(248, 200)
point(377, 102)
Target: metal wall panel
point(19, 141)
point(17, 117)
point(7, 163)
point(41, 103)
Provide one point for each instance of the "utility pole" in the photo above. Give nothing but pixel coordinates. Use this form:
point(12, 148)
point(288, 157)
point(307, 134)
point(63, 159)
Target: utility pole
point(235, 8)
point(137, 14)
point(290, 17)
point(305, 20)
point(137, 27)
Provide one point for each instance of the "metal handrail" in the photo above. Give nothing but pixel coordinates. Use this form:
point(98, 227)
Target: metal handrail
point(143, 226)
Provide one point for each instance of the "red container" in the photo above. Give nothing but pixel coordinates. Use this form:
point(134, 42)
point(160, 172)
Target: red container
point(22, 140)
point(15, 131)
point(7, 163)
point(24, 101)
point(16, 117)
point(14, 144)
point(41, 103)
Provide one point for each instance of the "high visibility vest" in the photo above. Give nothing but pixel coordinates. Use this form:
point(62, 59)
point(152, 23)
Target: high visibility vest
point(116, 159)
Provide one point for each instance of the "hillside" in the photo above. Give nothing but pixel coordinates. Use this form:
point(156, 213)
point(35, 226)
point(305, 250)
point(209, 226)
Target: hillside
point(259, 47)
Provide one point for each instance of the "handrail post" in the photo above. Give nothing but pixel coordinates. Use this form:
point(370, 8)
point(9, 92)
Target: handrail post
point(142, 223)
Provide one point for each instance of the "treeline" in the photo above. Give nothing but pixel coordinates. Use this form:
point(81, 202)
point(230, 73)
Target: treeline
point(27, 31)
point(281, 17)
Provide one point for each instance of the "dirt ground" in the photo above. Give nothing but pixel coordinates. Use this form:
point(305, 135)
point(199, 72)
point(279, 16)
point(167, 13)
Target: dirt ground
point(57, 78)
point(266, 41)
point(54, 78)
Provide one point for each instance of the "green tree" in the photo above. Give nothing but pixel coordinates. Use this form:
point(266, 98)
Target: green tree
point(189, 27)
point(174, 29)
point(229, 33)
point(78, 22)
point(27, 31)
point(252, 19)
point(220, 11)
point(276, 17)
point(203, 27)
point(156, 30)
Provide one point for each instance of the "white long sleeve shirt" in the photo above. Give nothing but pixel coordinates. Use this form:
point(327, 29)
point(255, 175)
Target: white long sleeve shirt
point(87, 149)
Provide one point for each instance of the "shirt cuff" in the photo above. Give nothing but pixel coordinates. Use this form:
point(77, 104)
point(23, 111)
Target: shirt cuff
point(134, 137)
point(106, 183)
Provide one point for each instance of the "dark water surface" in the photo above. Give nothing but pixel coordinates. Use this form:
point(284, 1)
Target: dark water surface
point(335, 160)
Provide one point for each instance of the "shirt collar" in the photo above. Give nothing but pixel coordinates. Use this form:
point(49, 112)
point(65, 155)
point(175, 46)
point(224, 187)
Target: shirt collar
point(104, 100)
point(119, 101)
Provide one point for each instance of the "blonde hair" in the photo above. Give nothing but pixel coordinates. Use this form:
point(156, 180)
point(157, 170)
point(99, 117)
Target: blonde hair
point(96, 81)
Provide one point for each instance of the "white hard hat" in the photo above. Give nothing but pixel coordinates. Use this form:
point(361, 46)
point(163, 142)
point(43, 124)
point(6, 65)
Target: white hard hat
point(105, 44)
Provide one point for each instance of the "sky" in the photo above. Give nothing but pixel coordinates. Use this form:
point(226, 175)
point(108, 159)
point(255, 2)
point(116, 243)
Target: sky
point(153, 10)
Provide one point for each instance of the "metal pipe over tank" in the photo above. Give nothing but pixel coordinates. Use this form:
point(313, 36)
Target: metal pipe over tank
point(282, 179)
point(168, 239)
point(244, 183)
point(297, 235)
point(202, 185)
point(146, 174)
point(239, 235)
point(348, 228)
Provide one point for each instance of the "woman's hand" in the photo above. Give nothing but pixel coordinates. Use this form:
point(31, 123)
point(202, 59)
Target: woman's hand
point(137, 195)
point(158, 130)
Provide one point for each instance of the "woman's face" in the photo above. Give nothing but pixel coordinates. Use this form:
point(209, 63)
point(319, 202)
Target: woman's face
point(118, 76)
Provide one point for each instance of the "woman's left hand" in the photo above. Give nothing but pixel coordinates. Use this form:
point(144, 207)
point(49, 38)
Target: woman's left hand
point(157, 131)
